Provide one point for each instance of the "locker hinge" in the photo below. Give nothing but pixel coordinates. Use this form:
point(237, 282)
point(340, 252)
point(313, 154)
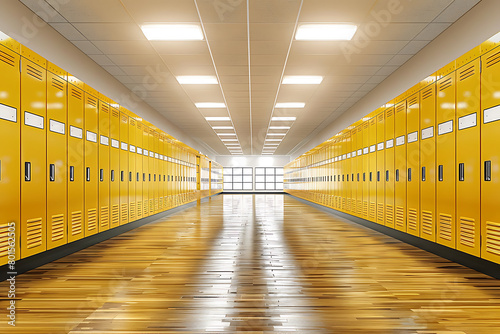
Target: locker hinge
point(480, 66)
point(20, 64)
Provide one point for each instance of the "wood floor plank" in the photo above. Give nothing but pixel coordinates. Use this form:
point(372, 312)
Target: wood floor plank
point(254, 264)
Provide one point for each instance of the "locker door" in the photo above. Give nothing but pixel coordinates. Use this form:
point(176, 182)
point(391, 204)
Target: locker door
point(160, 173)
point(343, 171)
point(132, 171)
point(400, 166)
point(168, 152)
point(91, 173)
point(389, 167)
point(104, 191)
point(490, 179)
point(33, 157)
point(123, 175)
point(372, 175)
point(413, 163)
point(428, 163)
point(155, 171)
point(139, 170)
point(10, 132)
point(445, 161)
point(366, 168)
point(468, 157)
point(354, 166)
point(151, 172)
point(380, 180)
point(114, 165)
point(57, 109)
point(145, 170)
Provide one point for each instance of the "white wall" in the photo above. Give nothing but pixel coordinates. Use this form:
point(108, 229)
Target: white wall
point(476, 26)
point(20, 23)
point(252, 161)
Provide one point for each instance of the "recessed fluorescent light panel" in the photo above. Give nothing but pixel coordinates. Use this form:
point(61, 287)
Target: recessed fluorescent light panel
point(217, 118)
point(227, 134)
point(228, 139)
point(197, 80)
point(283, 118)
point(222, 127)
point(271, 139)
point(302, 80)
point(279, 127)
point(276, 134)
point(325, 32)
point(210, 105)
point(172, 32)
point(290, 105)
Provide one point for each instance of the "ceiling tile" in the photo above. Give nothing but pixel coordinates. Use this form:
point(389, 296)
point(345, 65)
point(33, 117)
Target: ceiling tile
point(68, 31)
point(111, 31)
point(91, 10)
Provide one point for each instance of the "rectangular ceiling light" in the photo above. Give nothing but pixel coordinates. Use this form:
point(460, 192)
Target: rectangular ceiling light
point(210, 105)
point(272, 139)
point(279, 127)
point(290, 105)
point(227, 134)
point(276, 134)
point(222, 127)
point(172, 32)
point(283, 118)
point(197, 80)
point(228, 139)
point(217, 118)
point(302, 80)
point(325, 32)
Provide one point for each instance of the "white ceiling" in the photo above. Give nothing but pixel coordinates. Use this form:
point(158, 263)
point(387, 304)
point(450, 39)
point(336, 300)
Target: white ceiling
point(249, 45)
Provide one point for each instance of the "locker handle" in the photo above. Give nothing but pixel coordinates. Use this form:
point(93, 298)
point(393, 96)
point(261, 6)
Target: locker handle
point(101, 175)
point(378, 176)
point(347, 177)
point(409, 174)
point(149, 177)
point(87, 174)
point(129, 176)
point(112, 175)
point(387, 176)
point(440, 172)
point(364, 177)
point(487, 170)
point(143, 177)
point(122, 176)
point(461, 172)
point(137, 177)
point(371, 177)
point(358, 177)
point(72, 173)
point(352, 177)
point(423, 173)
point(52, 169)
point(27, 171)
point(397, 175)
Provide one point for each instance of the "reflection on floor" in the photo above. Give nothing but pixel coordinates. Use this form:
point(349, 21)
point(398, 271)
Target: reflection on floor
point(254, 263)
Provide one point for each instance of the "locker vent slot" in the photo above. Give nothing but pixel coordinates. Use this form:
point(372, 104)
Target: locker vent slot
point(400, 107)
point(427, 226)
point(467, 232)
point(35, 73)
point(389, 113)
point(139, 126)
point(7, 58)
point(493, 59)
point(412, 220)
point(77, 94)
point(493, 237)
point(4, 240)
point(389, 214)
point(34, 235)
point(365, 126)
point(380, 211)
point(156, 204)
point(381, 117)
point(132, 122)
point(139, 209)
point(400, 216)
point(427, 93)
point(105, 108)
point(115, 113)
point(104, 216)
point(372, 211)
point(365, 208)
point(360, 207)
point(92, 102)
point(76, 222)
point(124, 119)
point(412, 101)
point(91, 219)
point(445, 84)
point(445, 226)
point(469, 71)
point(132, 211)
point(145, 207)
point(57, 227)
point(160, 204)
point(58, 84)
point(343, 203)
point(115, 215)
point(124, 213)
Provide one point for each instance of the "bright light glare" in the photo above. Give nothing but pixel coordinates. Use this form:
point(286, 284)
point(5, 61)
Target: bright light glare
point(284, 118)
point(217, 118)
point(3, 37)
point(227, 134)
point(210, 105)
point(222, 127)
point(276, 134)
point(227, 139)
point(197, 80)
point(172, 32)
point(279, 127)
point(302, 80)
point(325, 32)
point(290, 105)
point(495, 38)
point(272, 139)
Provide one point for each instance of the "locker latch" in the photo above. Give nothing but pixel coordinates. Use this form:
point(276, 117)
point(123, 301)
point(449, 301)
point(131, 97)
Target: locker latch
point(409, 174)
point(101, 175)
point(27, 171)
point(52, 172)
point(423, 173)
point(461, 172)
point(397, 175)
point(386, 176)
point(487, 170)
point(440, 172)
point(88, 174)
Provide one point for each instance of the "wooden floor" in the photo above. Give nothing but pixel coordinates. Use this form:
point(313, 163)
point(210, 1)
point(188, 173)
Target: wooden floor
point(254, 264)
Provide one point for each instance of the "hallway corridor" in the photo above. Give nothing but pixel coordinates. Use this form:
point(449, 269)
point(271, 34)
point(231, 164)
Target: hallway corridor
point(254, 264)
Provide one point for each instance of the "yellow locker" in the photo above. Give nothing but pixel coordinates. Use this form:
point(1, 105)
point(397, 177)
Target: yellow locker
point(132, 171)
point(114, 166)
point(389, 166)
point(139, 169)
point(343, 171)
point(160, 172)
point(372, 175)
point(91, 162)
point(33, 154)
point(380, 167)
point(428, 160)
point(10, 132)
point(76, 161)
point(413, 163)
point(468, 153)
point(168, 153)
point(104, 191)
point(400, 165)
point(445, 160)
point(123, 176)
point(145, 170)
point(151, 172)
point(359, 171)
point(490, 179)
point(57, 217)
point(354, 166)
point(366, 168)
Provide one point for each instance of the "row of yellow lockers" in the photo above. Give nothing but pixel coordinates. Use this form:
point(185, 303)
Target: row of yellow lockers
point(73, 163)
point(427, 163)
